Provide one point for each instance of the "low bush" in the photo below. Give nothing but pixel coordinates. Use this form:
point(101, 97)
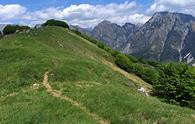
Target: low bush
point(176, 84)
point(114, 53)
point(147, 73)
point(53, 22)
point(132, 58)
point(101, 45)
point(123, 62)
point(10, 29)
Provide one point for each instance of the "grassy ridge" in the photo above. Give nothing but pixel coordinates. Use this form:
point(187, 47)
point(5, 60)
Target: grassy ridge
point(76, 69)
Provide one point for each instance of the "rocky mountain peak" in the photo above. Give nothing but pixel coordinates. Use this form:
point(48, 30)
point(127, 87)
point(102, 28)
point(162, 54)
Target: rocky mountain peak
point(104, 22)
point(164, 37)
point(179, 16)
point(113, 34)
point(129, 26)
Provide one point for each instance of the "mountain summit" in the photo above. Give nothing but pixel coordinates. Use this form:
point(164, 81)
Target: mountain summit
point(114, 35)
point(166, 36)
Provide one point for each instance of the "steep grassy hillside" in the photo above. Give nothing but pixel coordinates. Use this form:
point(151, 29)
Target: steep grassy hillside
point(76, 83)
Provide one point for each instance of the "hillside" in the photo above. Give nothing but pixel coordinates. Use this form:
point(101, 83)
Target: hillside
point(51, 75)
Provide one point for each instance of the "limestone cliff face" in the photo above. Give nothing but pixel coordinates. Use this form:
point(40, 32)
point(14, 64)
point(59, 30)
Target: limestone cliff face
point(114, 35)
point(166, 36)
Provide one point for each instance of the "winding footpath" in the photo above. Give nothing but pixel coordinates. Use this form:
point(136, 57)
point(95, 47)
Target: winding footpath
point(57, 94)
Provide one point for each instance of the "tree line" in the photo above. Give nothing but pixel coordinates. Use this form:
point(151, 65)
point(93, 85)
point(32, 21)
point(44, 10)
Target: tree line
point(11, 29)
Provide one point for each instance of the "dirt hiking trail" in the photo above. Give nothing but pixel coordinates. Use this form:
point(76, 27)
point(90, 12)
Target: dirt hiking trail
point(57, 94)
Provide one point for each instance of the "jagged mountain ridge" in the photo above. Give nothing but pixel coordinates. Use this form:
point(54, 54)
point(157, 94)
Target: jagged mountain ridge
point(114, 35)
point(165, 37)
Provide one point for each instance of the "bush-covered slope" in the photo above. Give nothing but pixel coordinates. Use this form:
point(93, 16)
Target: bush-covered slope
point(88, 87)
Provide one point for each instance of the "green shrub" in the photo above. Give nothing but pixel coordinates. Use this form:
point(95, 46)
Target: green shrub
point(153, 63)
point(77, 32)
point(123, 62)
point(147, 73)
point(53, 22)
point(143, 61)
point(108, 49)
point(114, 53)
point(100, 45)
point(176, 84)
point(10, 29)
point(132, 58)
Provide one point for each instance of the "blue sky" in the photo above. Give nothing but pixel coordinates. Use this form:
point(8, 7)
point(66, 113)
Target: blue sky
point(36, 4)
point(88, 13)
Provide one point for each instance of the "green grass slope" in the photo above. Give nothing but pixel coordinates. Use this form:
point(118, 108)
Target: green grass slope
point(85, 83)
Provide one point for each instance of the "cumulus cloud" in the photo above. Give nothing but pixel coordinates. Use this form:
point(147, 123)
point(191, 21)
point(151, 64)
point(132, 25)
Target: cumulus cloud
point(85, 15)
point(11, 11)
point(44, 14)
point(183, 6)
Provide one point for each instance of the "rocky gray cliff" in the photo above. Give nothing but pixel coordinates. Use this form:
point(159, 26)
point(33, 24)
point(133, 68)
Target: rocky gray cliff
point(166, 36)
point(114, 35)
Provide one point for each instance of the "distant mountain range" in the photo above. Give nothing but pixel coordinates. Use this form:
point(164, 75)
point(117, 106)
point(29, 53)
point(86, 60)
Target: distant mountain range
point(114, 35)
point(165, 37)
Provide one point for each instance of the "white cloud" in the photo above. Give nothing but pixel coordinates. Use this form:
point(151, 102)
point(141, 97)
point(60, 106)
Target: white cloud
point(85, 15)
point(44, 14)
point(90, 15)
point(11, 11)
point(177, 3)
point(183, 6)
